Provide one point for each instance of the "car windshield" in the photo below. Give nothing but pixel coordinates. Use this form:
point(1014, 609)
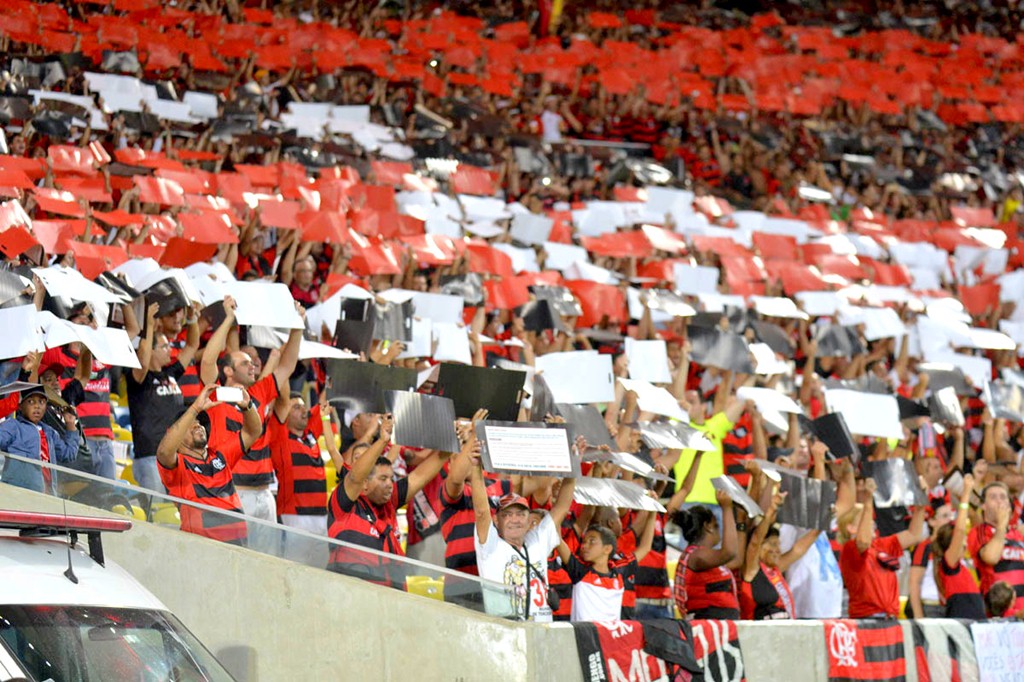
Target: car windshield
point(100, 644)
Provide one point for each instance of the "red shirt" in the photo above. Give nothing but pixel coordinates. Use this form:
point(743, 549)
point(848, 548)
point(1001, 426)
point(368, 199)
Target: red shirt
point(873, 588)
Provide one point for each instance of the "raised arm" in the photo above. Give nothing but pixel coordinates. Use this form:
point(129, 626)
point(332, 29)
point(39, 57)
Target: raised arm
point(752, 561)
point(646, 541)
point(955, 552)
point(290, 352)
point(481, 505)
point(167, 450)
point(798, 549)
point(215, 346)
point(564, 500)
point(677, 500)
point(912, 535)
point(146, 345)
point(192, 339)
point(461, 463)
point(705, 558)
point(363, 466)
point(866, 528)
point(327, 412)
point(252, 425)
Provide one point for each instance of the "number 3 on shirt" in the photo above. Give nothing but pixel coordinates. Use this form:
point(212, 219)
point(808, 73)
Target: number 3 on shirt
point(540, 596)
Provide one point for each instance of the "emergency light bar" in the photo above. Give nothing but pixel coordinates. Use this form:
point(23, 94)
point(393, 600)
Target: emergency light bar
point(38, 524)
point(59, 522)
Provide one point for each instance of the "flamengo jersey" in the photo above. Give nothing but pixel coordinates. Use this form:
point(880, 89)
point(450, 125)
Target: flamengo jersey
point(458, 525)
point(697, 591)
point(302, 484)
point(207, 481)
point(94, 410)
point(595, 596)
point(255, 469)
point(365, 524)
point(1011, 564)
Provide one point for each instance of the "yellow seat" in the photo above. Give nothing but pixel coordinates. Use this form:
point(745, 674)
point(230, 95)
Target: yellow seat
point(166, 514)
point(131, 511)
point(127, 474)
point(425, 586)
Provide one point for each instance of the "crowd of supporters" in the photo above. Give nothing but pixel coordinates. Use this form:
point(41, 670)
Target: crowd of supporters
point(856, 205)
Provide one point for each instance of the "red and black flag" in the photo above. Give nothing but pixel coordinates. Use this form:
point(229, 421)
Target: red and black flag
point(865, 650)
point(937, 647)
point(615, 651)
point(716, 644)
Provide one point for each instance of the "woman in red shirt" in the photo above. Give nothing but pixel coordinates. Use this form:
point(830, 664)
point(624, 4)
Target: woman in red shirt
point(868, 563)
point(956, 583)
point(704, 585)
point(764, 593)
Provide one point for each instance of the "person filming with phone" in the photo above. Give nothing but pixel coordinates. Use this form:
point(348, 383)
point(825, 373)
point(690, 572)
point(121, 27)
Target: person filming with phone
point(197, 470)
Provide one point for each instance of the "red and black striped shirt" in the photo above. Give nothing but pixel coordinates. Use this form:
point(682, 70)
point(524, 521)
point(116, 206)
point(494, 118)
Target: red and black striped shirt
point(458, 524)
point(301, 481)
point(255, 469)
point(207, 481)
point(94, 410)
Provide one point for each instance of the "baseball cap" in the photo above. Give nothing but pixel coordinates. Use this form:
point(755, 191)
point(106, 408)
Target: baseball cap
point(511, 500)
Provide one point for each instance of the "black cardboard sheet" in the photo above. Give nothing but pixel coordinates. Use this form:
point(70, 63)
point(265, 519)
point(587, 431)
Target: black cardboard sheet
point(722, 349)
point(941, 375)
point(836, 341)
point(586, 421)
point(831, 429)
point(361, 386)
point(499, 391)
point(355, 336)
point(562, 299)
point(674, 436)
point(422, 421)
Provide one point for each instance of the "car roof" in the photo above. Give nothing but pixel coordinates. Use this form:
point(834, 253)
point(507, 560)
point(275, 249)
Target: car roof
point(32, 572)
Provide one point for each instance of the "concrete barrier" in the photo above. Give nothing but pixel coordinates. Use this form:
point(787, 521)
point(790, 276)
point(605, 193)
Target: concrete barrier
point(793, 651)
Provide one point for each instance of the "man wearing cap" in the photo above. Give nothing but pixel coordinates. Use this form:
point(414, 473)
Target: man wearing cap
point(508, 551)
point(26, 436)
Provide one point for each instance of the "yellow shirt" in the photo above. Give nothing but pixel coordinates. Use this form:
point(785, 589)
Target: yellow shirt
point(711, 465)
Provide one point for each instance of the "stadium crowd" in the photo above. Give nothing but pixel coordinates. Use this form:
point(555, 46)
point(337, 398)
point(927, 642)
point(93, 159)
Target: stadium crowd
point(789, 238)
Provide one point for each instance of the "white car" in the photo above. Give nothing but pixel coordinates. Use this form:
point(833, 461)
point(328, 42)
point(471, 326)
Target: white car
point(67, 615)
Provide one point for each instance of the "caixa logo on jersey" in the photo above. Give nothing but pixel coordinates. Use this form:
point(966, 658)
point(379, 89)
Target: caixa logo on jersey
point(842, 644)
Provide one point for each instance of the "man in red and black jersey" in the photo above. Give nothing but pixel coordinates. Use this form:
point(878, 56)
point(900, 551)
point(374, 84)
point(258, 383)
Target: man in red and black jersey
point(94, 408)
point(254, 473)
point(364, 510)
point(196, 470)
point(301, 479)
point(457, 518)
point(996, 546)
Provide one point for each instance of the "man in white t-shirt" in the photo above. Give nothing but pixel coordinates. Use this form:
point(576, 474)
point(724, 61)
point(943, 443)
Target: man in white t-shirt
point(814, 578)
point(504, 544)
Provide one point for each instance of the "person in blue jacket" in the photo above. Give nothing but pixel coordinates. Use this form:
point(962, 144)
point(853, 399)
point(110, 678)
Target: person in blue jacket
point(27, 436)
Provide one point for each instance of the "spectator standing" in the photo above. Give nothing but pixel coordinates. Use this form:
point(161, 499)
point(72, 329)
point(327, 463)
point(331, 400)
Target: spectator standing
point(196, 470)
point(28, 437)
point(998, 549)
point(155, 398)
